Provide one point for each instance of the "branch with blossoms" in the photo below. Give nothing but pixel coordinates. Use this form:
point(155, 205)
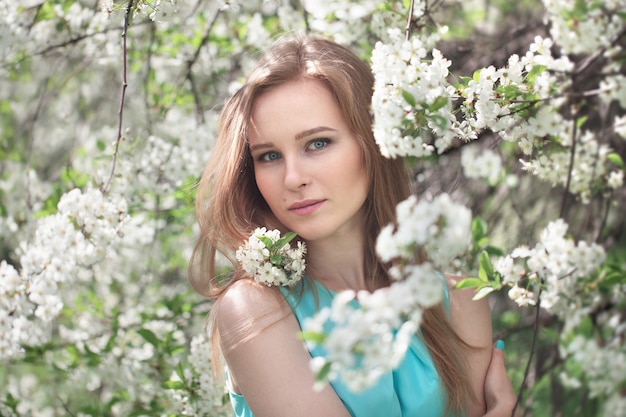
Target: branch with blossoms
point(523, 103)
point(120, 112)
point(365, 335)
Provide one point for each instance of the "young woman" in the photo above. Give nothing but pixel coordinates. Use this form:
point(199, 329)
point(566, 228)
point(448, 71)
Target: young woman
point(295, 152)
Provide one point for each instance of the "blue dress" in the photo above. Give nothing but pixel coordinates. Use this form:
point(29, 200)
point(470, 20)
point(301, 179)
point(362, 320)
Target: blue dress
point(413, 389)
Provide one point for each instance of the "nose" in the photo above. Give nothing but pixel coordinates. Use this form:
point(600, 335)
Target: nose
point(296, 174)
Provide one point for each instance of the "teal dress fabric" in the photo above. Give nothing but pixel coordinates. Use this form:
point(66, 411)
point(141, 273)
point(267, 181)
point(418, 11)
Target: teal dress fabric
point(413, 389)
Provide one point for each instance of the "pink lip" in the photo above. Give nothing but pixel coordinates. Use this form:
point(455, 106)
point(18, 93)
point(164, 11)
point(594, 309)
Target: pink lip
point(305, 207)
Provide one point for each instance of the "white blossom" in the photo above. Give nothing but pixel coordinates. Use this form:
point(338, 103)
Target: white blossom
point(484, 164)
point(272, 265)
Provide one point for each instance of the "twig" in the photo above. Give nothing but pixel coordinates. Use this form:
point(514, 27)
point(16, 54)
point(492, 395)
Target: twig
point(571, 165)
point(530, 357)
point(65, 406)
point(191, 62)
point(31, 139)
point(146, 80)
point(120, 112)
point(305, 17)
point(605, 216)
point(409, 21)
point(589, 93)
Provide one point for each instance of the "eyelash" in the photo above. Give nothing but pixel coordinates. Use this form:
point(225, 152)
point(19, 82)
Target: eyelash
point(263, 157)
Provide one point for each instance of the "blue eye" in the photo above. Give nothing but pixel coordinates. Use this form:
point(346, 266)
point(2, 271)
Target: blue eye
point(318, 144)
point(269, 156)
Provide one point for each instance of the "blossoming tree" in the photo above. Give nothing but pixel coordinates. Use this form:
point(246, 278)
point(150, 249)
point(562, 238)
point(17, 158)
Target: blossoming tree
point(515, 128)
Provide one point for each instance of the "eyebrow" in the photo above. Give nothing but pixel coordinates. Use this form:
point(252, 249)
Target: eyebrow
point(298, 136)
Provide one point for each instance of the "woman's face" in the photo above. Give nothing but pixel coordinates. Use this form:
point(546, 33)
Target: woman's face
point(307, 162)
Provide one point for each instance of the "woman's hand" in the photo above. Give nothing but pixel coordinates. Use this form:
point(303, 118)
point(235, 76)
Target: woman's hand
point(499, 395)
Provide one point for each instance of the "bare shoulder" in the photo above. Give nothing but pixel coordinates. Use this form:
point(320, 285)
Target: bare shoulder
point(248, 296)
point(267, 363)
point(247, 303)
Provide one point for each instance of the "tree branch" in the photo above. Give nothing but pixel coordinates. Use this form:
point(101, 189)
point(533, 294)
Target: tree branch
point(409, 21)
point(571, 164)
point(120, 113)
point(530, 357)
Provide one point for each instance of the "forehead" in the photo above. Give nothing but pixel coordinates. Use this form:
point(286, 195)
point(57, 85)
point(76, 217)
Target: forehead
point(293, 107)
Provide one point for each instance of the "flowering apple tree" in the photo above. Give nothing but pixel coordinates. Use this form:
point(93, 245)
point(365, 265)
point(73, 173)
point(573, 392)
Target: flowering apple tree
point(515, 129)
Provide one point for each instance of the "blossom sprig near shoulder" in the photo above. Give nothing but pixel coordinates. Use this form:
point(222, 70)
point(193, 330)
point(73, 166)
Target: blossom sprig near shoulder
point(270, 259)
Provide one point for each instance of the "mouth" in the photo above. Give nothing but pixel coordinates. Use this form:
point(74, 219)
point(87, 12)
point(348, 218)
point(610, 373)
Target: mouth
point(305, 207)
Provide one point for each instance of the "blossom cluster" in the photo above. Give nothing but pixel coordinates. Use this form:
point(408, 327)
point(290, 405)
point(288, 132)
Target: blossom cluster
point(498, 99)
point(604, 366)
point(556, 263)
point(488, 98)
point(209, 394)
point(367, 334)
point(441, 227)
point(64, 246)
point(585, 27)
point(270, 260)
point(485, 164)
point(411, 99)
point(564, 276)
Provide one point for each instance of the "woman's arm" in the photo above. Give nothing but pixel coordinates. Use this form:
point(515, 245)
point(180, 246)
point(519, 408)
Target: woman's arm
point(471, 320)
point(268, 364)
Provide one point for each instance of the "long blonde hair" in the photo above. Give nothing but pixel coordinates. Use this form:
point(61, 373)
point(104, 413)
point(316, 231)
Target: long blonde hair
point(229, 205)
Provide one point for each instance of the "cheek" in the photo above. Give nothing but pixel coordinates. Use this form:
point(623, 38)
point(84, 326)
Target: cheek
point(356, 171)
point(267, 186)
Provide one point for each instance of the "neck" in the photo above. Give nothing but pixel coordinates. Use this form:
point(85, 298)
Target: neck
point(338, 263)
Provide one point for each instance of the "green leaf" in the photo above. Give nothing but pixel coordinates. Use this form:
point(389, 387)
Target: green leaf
point(149, 336)
point(285, 239)
point(485, 269)
point(45, 12)
point(438, 104)
point(615, 159)
point(276, 259)
point(139, 412)
point(315, 337)
point(494, 251)
point(482, 242)
point(173, 385)
point(180, 371)
point(479, 229)
point(408, 97)
point(322, 375)
point(476, 76)
point(111, 342)
point(469, 283)
point(175, 350)
point(535, 71)
point(510, 92)
point(483, 292)
point(612, 279)
point(440, 121)
point(266, 241)
point(11, 402)
point(73, 354)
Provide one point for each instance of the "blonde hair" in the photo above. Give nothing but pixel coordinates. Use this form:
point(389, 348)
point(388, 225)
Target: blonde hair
point(229, 205)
